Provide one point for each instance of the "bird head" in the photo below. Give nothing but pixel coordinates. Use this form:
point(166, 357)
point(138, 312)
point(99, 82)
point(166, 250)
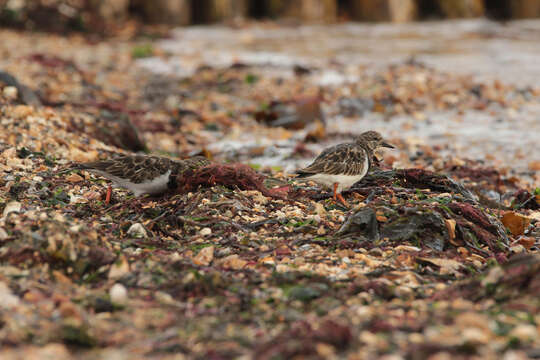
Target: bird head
point(373, 140)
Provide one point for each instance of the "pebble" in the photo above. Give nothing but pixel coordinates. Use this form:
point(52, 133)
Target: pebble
point(204, 257)
point(7, 299)
point(3, 234)
point(118, 294)
point(524, 332)
point(518, 249)
point(407, 248)
point(305, 247)
point(119, 269)
point(10, 92)
point(233, 262)
point(137, 230)
point(205, 231)
point(12, 206)
point(376, 252)
point(475, 336)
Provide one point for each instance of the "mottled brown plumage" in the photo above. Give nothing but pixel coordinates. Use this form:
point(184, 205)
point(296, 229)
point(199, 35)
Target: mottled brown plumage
point(343, 165)
point(342, 159)
point(142, 173)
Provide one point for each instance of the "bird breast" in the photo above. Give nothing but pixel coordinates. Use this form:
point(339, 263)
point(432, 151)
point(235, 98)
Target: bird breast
point(344, 181)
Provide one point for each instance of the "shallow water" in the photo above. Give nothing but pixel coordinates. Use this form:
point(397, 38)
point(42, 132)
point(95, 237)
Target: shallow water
point(480, 48)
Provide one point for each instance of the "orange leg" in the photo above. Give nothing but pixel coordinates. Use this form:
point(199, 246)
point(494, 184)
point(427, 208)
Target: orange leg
point(108, 197)
point(343, 201)
point(335, 191)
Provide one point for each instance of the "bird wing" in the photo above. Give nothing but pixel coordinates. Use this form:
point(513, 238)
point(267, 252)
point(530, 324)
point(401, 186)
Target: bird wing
point(138, 168)
point(343, 159)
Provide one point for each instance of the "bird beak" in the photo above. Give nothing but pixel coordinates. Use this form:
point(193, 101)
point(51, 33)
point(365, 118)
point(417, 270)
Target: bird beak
point(385, 144)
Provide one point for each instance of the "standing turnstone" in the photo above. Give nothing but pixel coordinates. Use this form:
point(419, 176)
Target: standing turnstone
point(142, 174)
point(343, 165)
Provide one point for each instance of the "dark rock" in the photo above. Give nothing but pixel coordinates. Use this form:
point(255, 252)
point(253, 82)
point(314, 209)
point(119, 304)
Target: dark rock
point(26, 95)
point(428, 227)
point(308, 293)
point(416, 179)
point(355, 106)
point(363, 223)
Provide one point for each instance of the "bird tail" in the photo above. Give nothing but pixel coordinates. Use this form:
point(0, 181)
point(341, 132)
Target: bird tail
point(302, 174)
point(75, 166)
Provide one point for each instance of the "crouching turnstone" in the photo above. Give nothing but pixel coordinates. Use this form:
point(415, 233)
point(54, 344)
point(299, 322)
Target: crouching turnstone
point(342, 165)
point(142, 174)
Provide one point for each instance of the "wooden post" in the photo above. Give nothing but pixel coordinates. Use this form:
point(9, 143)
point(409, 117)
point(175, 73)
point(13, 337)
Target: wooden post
point(462, 8)
point(303, 10)
point(318, 10)
point(524, 8)
point(210, 11)
point(397, 11)
point(174, 12)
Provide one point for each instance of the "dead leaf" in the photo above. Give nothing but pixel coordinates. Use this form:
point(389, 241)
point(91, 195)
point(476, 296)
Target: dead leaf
point(451, 227)
point(516, 223)
point(526, 242)
point(534, 165)
point(74, 178)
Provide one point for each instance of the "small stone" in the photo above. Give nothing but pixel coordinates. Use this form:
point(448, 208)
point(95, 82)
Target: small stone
point(493, 276)
point(51, 351)
point(118, 294)
point(404, 292)
point(7, 299)
point(320, 210)
point(534, 165)
point(281, 268)
point(9, 153)
point(74, 178)
point(305, 247)
point(376, 252)
point(325, 351)
point(475, 336)
point(205, 256)
point(137, 230)
point(3, 234)
point(407, 248)
point(524, 332)
point(205, 231)
point(10, 92)
point(12, 206)
point(233, 262)
point(119, 268)
point(516, 249)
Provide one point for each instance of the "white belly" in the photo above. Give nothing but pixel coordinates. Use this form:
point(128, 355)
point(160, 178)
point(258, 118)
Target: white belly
point(344, 181)
point(155, 186)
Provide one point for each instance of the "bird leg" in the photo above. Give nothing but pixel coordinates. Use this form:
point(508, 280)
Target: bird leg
point(338, 196)
point(108, 197)
point(343, 201)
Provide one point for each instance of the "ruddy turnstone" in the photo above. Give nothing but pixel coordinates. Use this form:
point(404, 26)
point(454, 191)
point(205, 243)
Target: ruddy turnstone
point(342, 165)
point(142, 174)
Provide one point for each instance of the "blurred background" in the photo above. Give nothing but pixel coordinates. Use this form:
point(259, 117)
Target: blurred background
point(274, 81)
point(103, 15)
